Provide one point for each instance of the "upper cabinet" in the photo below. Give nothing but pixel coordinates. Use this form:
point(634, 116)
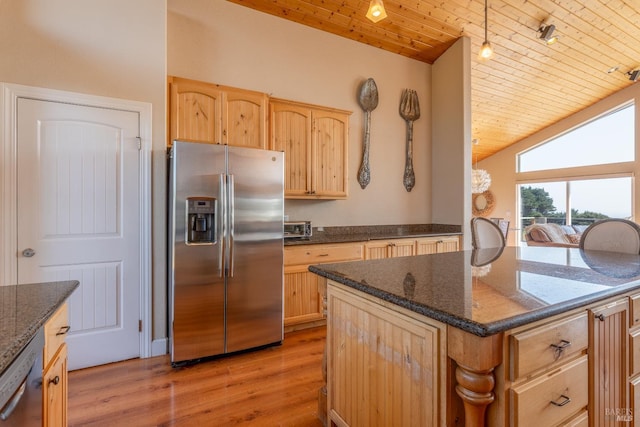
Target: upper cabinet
point(214, 114)
point(315, 142)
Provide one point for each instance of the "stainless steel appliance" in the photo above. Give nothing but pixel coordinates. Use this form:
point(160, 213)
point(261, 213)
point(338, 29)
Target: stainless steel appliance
point(21, 387)
point(297, 229)
point(226, 208)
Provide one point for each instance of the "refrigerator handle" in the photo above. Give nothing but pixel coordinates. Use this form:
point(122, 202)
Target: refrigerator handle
point(232, 197)
point(221, 223)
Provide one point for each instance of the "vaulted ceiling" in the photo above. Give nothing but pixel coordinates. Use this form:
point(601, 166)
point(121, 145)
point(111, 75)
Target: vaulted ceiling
point(528, 84)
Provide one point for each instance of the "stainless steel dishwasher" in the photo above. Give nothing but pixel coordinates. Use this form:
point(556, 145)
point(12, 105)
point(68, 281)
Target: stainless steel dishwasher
point(21, 387)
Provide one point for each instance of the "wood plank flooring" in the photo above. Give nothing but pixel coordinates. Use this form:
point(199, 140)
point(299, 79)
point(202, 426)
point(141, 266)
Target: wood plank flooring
point(277, 386)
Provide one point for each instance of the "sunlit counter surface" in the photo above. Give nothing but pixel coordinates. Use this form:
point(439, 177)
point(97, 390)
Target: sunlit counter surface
point(495, 337)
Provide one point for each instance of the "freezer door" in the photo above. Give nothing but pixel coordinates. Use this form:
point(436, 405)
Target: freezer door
point(255, 267)
point(196, 273)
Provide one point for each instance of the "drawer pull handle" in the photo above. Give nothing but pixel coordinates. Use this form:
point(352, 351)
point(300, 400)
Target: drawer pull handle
point(566, 400)
point(63, 330)
point(559, 348)
point(323, 255)
point(55, 380)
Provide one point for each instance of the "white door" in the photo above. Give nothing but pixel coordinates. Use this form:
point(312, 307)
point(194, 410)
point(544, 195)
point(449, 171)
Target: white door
point(78, 219)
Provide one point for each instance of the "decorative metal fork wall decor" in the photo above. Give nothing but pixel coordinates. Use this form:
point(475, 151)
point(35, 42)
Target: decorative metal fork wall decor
point(409, 111)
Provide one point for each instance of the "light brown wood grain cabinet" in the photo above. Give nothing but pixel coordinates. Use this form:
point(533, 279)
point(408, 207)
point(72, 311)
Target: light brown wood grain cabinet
point(315, 142)
point(215, 114)
point(378, 249)
point(304, 292)
point(54, 376)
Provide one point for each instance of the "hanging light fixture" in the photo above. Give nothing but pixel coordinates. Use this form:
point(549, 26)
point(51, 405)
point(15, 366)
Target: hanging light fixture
point(376, 11)
point(486, 51)
point(480, 178)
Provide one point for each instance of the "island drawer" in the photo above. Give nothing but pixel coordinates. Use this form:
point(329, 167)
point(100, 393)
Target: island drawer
point(635, 310)
point(553, 397)
point(547, 344)
point(55, 332)
point(316, 254)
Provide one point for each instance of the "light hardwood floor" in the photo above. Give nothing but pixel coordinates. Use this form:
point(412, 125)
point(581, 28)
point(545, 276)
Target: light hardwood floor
point(277, 386)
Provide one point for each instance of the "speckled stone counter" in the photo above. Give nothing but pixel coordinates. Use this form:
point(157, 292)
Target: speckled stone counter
point(537, 282)
point(363, 233)
point(23, 310)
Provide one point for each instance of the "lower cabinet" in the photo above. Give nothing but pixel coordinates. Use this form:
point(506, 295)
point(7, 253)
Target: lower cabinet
point(436, 245)
point(376, 249)
point(54, 376)
point(384, 367)
point(304, 292)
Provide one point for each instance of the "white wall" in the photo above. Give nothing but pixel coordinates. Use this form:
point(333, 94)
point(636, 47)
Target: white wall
point(114, 48)
point(228, 44)
point(451, 134)
point(502, 165)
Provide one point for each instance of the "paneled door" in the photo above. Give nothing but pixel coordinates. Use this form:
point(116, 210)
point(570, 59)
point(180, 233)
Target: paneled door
point(78, 219)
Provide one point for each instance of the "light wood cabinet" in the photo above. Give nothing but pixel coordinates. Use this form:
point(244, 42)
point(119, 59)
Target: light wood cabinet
point(54, 376)
point(215, 114)
point(608, 360)
point(315, 141)
point(436, 245)
point(304, 292)
point(384, 365)
point(377, 249)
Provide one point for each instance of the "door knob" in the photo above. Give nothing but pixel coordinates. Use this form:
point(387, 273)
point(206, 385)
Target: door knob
point(28, 252)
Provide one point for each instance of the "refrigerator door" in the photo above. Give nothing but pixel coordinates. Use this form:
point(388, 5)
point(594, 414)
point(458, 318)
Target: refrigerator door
point(255, 265)
point(196, 268)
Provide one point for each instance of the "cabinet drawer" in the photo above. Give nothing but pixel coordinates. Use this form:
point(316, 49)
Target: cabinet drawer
point(567, 386)
point(635, 310)
point(315, 254)
point(547, 344)
point(634, 354)
point(55, 331)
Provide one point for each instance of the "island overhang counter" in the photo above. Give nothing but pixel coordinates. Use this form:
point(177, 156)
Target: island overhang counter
point(511, 336)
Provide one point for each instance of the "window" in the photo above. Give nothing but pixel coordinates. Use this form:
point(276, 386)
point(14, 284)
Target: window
point(604, 140)
point(576, 202)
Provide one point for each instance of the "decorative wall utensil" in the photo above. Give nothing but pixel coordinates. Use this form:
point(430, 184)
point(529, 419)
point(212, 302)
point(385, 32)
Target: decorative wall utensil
point(368, 100)
point(409, 111)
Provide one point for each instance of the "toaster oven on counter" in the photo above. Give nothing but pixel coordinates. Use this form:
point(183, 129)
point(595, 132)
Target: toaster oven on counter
point(297, 229)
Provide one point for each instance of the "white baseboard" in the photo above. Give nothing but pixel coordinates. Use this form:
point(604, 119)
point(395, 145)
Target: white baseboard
point(159, 347)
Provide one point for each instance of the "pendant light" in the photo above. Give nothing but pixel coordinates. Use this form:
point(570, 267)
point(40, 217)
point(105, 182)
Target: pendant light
point(486, 51)
point(376, 11)
point(480, 178)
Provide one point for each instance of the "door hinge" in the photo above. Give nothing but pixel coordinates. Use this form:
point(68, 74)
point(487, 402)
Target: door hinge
point(139, 325)
point(139, 143)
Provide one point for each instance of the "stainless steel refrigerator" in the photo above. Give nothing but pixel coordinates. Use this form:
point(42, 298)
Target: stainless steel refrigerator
point(226, 208)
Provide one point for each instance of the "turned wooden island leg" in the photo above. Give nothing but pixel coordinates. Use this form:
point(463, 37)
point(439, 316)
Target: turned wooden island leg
point(476, 358)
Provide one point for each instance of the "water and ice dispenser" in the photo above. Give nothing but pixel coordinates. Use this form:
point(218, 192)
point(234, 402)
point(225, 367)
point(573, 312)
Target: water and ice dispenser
point(201, 224)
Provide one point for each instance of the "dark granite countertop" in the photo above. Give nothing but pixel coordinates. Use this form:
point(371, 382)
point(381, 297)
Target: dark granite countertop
point(23, 310)
point(362, 233)
point(489, 291)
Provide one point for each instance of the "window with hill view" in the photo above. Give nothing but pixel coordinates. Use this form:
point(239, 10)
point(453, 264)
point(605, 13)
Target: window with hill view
point(608, 139)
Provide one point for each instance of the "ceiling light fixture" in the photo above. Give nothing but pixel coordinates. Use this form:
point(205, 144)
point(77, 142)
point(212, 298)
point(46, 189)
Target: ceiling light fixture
point(376, 11)
point(546, 34)
point(480, 178)
point(634, 75)
point(486, 51)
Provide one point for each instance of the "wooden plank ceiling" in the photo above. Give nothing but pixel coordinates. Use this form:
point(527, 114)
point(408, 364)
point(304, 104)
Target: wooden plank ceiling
point(528, 85)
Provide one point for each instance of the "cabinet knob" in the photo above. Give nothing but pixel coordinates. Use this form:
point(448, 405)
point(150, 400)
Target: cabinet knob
point(63, 330)
point(55, 380)
point(600, 317)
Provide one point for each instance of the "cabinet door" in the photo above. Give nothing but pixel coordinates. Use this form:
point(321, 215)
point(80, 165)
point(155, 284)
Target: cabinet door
point(291, 133)
point(195, 111)
point(433, 245)
point(329, 148)
point(449, 244)
point(608, 360)
point(244, 118)
point(54, 391)
point(302, 300)
point(402, 247)
point(377, 249)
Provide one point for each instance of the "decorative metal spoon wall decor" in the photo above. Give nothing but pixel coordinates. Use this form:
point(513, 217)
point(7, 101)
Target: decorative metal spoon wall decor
point(368, 100)
point(409, 111)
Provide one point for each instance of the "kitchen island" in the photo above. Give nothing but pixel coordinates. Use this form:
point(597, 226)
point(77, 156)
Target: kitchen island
point(520, 336)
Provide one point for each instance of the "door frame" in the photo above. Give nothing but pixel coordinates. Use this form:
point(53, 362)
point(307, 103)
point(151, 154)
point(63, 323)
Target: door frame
point(9, 95)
